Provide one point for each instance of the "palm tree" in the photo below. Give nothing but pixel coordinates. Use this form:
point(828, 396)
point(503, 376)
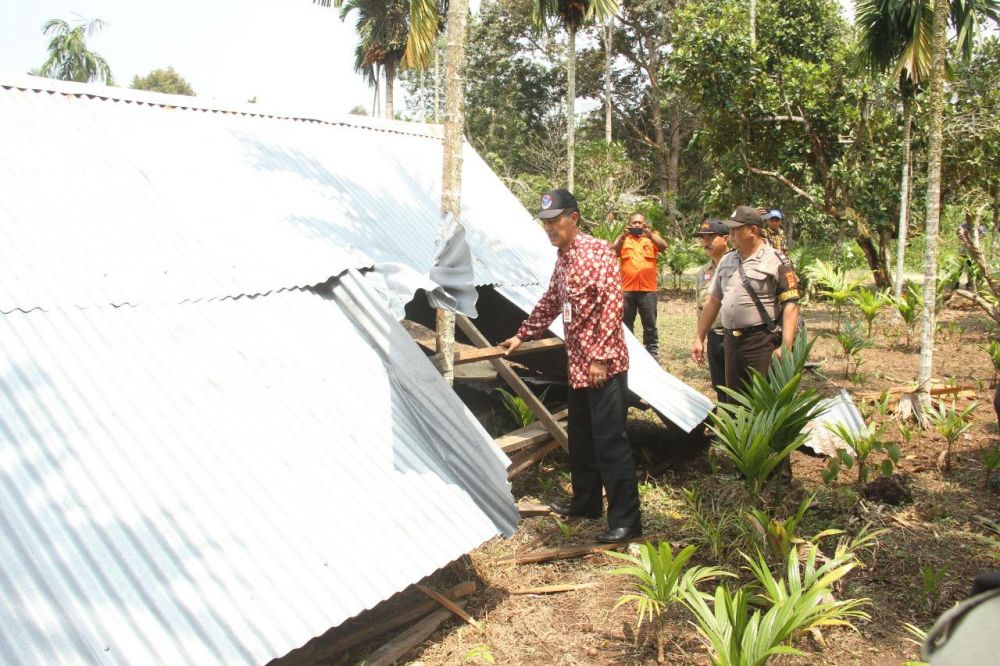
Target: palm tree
point(896, 34)
point(382, 27)
point(571, 14)
point(69, 58)
point(966, 16)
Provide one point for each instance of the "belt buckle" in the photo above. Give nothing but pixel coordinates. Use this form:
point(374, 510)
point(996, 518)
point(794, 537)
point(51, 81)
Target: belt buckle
point(737, 332)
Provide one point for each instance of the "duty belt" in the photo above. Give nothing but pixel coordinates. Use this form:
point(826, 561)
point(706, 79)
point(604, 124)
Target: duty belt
point(749, 330)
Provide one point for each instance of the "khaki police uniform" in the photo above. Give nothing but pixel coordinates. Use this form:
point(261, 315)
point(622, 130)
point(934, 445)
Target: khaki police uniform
point(748, 343)
point(715, 351)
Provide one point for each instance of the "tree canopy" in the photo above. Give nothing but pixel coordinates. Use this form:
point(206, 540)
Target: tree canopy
point(164, 81)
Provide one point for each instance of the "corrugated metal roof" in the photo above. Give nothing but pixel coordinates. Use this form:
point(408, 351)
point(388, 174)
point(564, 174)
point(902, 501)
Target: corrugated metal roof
point(192, 484)
point(170, 204)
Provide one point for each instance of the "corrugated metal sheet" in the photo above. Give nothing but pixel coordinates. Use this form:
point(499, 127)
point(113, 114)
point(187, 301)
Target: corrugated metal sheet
point(838, 409)
point(171, 204)
point(191, 484)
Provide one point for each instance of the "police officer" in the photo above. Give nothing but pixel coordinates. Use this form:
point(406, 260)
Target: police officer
point(714, 236)
point(749, 339)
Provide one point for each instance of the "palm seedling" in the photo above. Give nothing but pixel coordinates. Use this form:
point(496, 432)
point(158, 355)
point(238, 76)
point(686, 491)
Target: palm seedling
point(835, 284)
point(608, 230)
point(870, 303)
point(951, 423)
point(992, 349)
point(852, 342)
point(909, 305)
point(863, 444)
point(715, 525)
point(660, 581)
point(779, 537)
point(764, 424)
point(517, 408)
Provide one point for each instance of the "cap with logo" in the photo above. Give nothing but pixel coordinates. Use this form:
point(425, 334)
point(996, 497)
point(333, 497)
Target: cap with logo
point(774, 214)
point(554, 202)
point(744, 215)
point(712, 226)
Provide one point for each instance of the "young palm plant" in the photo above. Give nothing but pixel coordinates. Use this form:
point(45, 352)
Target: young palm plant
point(779, 537)
point(864, 443)
point(763, 425)
point(835, 284)
point(870, 303)
point(852, 343)
point(660, 581)
point(951, 423)
point(909, 305)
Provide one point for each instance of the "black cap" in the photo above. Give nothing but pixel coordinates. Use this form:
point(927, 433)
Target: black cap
point(744, 215)
point(554, 202)
point(712, 226)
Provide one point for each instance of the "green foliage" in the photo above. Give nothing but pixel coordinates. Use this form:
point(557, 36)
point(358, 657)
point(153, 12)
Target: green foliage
point(164, 81)
point(604, 176)
point(951, 423)
point(716, 525)
point(909, 305)
point(660, 581)
point(833, 283)
point(482, 652)
point(992, 349)
point(870, 303)
point(779, 537)
point(517, 408)
point(608, 230)
point(763, 425)
point(864, 443)
point(932, 578)
point(680, 256)
point(852, 342)
point(69, 58)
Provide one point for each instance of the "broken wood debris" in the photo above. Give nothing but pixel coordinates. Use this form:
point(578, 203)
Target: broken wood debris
point(534, 433)
point(409, 639)
point(449, 604)
point(568, 552)
point(531, 510)
point(553, 589)
point(357, 631)
point(467, 355)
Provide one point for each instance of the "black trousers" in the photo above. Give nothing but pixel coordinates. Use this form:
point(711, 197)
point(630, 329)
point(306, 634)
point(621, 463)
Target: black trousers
point(745, 352)
point(716, 354)
point(601, 455)
point(643, 302)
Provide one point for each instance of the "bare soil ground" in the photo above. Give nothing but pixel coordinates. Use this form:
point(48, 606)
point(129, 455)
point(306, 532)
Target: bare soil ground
point(937, 532)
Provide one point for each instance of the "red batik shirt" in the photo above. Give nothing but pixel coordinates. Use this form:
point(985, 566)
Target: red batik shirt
point(587, 282)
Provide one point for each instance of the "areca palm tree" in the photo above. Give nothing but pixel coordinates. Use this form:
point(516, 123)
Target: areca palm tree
point(571, 14)
point(69, 59)
point(382, 27)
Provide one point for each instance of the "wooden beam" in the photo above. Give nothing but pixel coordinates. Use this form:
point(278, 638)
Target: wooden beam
point(529, 457)
point(357, 631)
point(531, 510)
point(449, 604)
point(553, 589)
point(409, 639)
point(485, 354)
point(516, 383)
point(529, 435)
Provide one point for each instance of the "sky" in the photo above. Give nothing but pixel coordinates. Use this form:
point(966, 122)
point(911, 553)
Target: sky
point(289, 54)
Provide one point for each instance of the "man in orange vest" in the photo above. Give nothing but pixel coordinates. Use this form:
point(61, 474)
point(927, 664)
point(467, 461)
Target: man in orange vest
point(637, 248)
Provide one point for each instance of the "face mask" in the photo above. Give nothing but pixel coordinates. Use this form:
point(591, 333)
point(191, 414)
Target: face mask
point(635, 232)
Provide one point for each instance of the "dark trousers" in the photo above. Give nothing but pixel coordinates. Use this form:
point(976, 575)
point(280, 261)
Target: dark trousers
point(717, 362)
point(601, 455)
point(643, 302)
point(745, 352)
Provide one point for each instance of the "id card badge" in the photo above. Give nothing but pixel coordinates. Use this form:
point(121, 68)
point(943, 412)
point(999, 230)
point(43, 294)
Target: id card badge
point(567, 312)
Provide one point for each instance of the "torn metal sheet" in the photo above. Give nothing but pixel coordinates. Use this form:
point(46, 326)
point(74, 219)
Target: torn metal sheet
point(839, 409)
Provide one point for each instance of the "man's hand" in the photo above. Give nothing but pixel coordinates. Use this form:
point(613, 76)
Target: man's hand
point(510, 344)
point(698, 351)
point(598, 374)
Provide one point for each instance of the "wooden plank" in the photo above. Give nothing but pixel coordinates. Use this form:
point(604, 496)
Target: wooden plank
point(553, 589)
point(409, 639)
point(527, 458)
point(896, 390)
point(567, 552)
point(449, 604)
point(516, 383)
point(485, 354)
point(533, 433)
point(531, 510)
point(346, 636)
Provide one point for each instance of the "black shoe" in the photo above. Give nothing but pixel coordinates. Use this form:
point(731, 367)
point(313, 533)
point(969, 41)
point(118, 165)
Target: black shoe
point(566, 510)
point(619, 534)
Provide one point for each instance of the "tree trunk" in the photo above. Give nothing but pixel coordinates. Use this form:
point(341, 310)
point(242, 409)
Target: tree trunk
point(753, 24)
point(876, 260)
point(451, 173)
point(674, 163)
point(570, 100)
point(375, 98)
point(390, 77)
point(661, 147)
point(437, 84)
point(996, 220)
point(904, 196)
point(607, 33)
point(934, 150)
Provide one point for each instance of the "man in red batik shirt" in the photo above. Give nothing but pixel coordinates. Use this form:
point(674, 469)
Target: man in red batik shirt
point(586, 289)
